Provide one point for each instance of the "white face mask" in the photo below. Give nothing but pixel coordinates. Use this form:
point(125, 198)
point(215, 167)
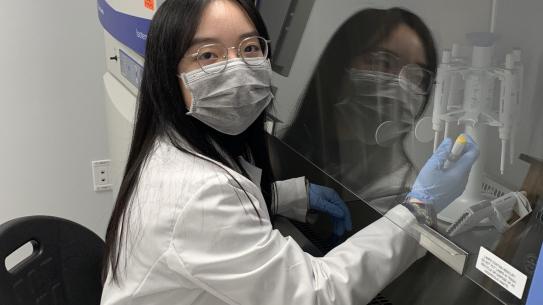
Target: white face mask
point(231, 100)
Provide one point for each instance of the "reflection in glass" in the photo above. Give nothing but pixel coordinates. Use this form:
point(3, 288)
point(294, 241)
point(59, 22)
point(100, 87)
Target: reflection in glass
point(371, 84)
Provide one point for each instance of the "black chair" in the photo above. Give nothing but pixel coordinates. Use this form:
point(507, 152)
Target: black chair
point(63, 269)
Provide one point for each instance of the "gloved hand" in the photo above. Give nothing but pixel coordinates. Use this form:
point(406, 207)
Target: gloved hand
point(439, 187)
point(326, 200)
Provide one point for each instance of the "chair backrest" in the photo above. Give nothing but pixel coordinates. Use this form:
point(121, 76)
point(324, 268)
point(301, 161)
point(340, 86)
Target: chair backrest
point(63, 269)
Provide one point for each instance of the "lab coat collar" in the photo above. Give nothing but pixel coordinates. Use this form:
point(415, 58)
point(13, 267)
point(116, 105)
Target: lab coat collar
point(254, 172)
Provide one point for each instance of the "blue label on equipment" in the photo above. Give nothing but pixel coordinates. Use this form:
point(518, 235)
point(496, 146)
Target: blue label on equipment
point(535, 296)
point(130, 30)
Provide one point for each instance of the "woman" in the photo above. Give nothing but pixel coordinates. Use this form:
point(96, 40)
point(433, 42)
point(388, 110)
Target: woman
point(191, 223)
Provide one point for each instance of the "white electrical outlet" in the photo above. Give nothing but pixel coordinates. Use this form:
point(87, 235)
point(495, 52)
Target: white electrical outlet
point(100, 173)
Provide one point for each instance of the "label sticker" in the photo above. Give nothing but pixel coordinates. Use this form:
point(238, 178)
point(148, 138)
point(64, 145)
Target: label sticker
point(150, 4)
point(501, 272)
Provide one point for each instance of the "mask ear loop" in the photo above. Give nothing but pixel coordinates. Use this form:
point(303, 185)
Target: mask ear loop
point(394, 129)
point(183, 77)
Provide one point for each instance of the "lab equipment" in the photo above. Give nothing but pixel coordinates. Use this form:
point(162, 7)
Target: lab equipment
point(325, 199)
point(456, 151)
point(441, 91)
point(437, 187)
point(125, 33)
point(502, 213)
point(465, 94)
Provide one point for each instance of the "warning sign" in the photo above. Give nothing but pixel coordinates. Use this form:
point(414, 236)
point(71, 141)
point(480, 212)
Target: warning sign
point(150, 4)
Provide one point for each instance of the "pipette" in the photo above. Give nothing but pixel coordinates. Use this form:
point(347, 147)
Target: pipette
point(519, 76)
point(502, 212)
point(441, 95)
point(507, 99)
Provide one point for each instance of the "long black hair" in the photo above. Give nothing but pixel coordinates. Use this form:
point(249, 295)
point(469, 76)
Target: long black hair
point(161, 114)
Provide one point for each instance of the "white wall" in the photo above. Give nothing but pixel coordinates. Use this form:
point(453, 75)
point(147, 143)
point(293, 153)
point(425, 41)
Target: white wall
point(52, 113)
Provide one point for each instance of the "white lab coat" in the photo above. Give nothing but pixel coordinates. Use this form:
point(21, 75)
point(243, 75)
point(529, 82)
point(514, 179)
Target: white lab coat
point(195, 238)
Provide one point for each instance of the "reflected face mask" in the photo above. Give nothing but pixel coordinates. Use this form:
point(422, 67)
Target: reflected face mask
point(378, 110)
point(231, 100)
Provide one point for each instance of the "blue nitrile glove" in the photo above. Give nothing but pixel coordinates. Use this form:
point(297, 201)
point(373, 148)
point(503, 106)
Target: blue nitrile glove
point(326, 200)
point(439, 187)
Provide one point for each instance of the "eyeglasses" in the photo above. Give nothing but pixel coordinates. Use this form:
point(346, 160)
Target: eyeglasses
point(412, 77)
point(252, 50)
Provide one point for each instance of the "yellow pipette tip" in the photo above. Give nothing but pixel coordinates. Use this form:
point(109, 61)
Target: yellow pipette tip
point(461, 139)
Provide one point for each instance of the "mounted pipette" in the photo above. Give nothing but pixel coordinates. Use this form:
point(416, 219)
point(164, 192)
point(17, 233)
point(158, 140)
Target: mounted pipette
point(465, 95)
